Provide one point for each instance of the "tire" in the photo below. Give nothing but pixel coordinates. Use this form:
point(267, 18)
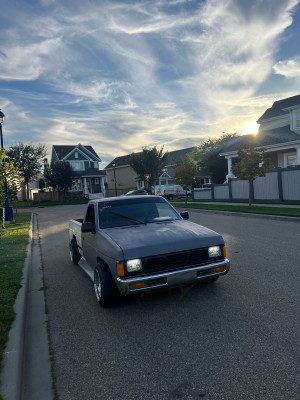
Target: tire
point(106, 291)
point(170, 197)
point(189, 195)
point(74, 252)
point(212, 280)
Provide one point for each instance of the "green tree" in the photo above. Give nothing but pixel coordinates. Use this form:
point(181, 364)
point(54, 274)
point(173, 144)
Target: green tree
point(28, 160)
point(208, 159)
point(149, 161)
point(7, 171)
point(252, 163)
point(185, 172)
point(59, 175)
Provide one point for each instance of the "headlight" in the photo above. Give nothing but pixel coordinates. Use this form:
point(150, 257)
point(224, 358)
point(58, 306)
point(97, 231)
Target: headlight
point(214, 251)
point(134, 265)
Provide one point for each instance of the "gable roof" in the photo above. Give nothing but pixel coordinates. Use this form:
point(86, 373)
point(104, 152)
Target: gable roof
point(63, 150)
point(173, 156)
point(279, 108)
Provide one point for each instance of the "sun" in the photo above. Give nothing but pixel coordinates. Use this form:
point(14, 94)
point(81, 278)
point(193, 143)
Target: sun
point(250, 127)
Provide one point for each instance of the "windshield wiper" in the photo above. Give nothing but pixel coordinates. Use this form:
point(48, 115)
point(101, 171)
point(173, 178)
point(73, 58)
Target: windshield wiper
point(127, 217)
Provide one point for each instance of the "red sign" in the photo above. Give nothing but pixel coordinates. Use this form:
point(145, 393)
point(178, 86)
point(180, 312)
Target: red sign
point(147, 176)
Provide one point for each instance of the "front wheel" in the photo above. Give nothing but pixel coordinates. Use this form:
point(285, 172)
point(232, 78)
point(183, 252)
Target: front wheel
point(106, 290)
point(170, 197)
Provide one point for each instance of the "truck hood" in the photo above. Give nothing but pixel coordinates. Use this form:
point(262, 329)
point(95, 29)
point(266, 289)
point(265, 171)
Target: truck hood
point(139, 241)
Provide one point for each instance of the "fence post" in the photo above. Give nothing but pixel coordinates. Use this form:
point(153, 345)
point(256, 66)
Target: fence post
point(212, 191)
point(230, 189)
point(279, 180)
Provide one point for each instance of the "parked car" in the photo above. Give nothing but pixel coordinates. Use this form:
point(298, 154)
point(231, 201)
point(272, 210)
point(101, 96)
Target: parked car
point(137, 244)
point(136, 192)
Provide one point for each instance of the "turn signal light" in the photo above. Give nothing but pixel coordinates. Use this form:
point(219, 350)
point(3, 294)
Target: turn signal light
point(137, 285)
point(120, 269)
point(224, 251)
point(219, 269)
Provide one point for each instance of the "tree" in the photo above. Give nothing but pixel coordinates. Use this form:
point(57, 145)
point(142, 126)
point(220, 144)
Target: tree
point(184, 173)
point(208, 159)
point(59, 175)
point(149, 162)
point(252, 164)
point(7, 170)
point(27, 158)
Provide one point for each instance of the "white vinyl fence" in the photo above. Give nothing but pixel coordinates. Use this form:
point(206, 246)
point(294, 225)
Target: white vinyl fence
point(278, 185)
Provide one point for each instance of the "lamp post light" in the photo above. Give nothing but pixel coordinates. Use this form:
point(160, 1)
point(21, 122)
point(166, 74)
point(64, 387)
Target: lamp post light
point(7, 211)
point(114, 165)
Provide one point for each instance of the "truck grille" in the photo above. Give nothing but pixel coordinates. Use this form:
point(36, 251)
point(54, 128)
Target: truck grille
point(178, 260)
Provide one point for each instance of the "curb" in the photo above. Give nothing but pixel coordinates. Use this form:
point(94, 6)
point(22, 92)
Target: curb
point(26, 363)
point(240, 214)
point(13, 357)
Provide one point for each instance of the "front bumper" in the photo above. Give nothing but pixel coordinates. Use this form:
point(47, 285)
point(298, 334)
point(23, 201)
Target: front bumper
point(172, 278)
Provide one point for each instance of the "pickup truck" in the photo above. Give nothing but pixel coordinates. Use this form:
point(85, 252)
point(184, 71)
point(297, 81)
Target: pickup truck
point(135, 244)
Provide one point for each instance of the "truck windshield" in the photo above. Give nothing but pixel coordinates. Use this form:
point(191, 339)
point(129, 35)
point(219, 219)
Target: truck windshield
point(127, 212)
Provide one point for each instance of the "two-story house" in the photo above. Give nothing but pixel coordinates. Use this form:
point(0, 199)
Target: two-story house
point(278, 134)
point(121, 177)
point(85, 163)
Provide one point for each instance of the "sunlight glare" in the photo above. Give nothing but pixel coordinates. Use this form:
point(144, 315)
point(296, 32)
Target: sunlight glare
point(250, 127)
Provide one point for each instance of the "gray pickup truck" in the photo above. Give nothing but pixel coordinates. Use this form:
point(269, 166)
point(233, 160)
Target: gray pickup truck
point(135, 244)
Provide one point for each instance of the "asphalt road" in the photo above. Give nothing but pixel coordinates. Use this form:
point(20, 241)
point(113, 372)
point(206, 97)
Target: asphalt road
point(235, 339)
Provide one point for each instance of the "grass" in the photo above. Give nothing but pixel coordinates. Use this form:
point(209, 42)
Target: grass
point(279, 211)
point(47, 203)
point(13, 242)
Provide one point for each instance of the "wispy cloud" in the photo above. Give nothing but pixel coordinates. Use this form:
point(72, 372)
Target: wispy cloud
point(124, 75)
point(288, 68)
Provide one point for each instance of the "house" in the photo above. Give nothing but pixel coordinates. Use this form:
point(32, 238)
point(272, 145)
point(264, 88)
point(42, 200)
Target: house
point(278, 134)
point(85, 163)
point(121, 177)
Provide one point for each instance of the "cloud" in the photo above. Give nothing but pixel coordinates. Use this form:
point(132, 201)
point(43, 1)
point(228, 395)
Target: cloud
point(288, 68)
point(125, 75)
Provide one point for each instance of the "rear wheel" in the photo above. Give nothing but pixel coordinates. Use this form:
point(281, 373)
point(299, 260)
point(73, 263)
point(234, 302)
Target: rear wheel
point(74, 252)
point(106, 290)
point(170, 197)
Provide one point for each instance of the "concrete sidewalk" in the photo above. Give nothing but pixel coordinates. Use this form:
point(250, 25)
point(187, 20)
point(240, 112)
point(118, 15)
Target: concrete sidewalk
point(26, 370)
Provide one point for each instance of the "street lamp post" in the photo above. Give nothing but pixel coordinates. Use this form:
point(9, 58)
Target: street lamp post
point(114, 165)
point(7, 211)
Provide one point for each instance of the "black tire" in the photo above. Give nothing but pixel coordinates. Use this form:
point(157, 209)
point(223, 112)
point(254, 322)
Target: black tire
point(189, 195)
point(212, 280)
point(74, 252)
point(106, 291)
point(170, 197)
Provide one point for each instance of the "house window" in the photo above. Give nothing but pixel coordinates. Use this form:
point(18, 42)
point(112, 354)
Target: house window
point(96, 181)
point(291, 160)
point(298, 123)
point(95, 165)
point(77, 165)
point(76, 154)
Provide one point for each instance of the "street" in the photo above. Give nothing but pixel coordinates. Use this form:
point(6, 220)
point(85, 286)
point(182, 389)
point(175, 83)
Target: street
point(235, 339)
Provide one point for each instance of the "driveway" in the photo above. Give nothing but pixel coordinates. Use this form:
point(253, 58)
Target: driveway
point(235, 339)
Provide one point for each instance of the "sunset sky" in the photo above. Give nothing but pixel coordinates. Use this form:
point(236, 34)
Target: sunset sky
point(122, 75)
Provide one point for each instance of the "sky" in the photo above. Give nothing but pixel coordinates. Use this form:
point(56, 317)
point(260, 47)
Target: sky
point(125, 75)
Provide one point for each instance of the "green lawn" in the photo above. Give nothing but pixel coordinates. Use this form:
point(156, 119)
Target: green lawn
point(13, 242)
point(24, 204)
point(279, 211)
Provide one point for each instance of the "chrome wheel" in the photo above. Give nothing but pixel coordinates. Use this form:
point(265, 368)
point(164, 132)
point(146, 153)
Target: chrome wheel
point(97, 284)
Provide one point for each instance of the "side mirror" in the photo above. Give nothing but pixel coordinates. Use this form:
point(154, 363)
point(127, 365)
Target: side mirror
point(185, 215)
point(88, 227)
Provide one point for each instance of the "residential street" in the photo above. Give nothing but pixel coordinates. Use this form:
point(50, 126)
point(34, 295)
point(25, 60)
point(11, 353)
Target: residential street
point(237, 339)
